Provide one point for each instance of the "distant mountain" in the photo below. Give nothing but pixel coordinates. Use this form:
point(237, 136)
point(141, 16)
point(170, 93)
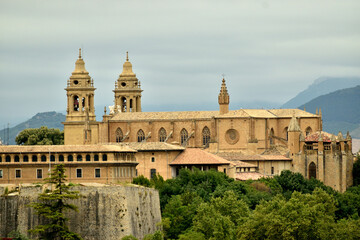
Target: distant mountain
point(320, 87)
point(49, 119)
point(340, 110)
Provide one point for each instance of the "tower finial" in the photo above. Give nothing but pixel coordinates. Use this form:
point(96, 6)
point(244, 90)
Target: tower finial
point(127, 56)
point(79, 52)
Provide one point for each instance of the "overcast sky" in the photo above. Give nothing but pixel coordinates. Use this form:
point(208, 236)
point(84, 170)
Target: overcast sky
point(268, 50)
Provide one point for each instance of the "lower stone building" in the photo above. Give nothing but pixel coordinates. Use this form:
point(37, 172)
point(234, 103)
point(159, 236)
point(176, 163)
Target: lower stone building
point(90, 163)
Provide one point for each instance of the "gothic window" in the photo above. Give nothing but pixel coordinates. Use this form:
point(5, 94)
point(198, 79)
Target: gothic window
point(162, 135)
point(271, 136)
point(76, 103)
point(119, 135)
point(183, 137)
point(206, 136)
point(286, 133)
point(140, 135)
point(308, 131)
point(312, 170)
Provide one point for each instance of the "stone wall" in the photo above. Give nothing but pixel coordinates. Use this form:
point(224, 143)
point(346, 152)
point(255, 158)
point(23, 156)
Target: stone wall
point(105, 212)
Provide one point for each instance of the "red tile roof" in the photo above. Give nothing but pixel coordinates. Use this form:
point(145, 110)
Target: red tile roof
point(233, 156)
point(314, 137)
point(196, 156)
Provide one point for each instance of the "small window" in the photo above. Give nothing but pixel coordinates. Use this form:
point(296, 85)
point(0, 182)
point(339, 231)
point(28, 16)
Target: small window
point(43, 158)
point(152, 173)
point(1, 173)
point(26, 158)
point(206, 136)
point(52, 158)
point(140, 135)
point(7, 158)
point(17, 158)
point(61, 158)
point(18, 173)
point(79, 158)
point(136, 173)
point(0, 159)
point(96, 157)
point(104, 157)
point(162, 135)
point(70, 158)
point(79, 173)
point(34, 158)
point(272, 170)
point(39, 173)
point(153, 159)
point(183, 137)
point(88, 158)
point(118, 135)
point(225, 170)
point(97, 172)
point(308, 131)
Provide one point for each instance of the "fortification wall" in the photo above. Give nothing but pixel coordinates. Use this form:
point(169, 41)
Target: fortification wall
point(105, 212)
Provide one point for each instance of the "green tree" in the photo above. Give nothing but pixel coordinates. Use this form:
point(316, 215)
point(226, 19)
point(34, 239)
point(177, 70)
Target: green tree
point(356, 171)
point(141, 180)
point(40, 136)
point(52, 206)
point(303, 216)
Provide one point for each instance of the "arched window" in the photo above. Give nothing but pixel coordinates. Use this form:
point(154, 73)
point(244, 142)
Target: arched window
point(206, 136)
point(76, 103)
point(96, 157)
point(52, 158)
point(312, 170)
point(79, 158)
point(308, 131)
point(140, 135)
point(162, 135)
point(104, 157)
point(286, 133)
point(43, 158)
point(183, 137)
point(34, 158)
point(123, 104)
point(118, 135)
point(88, 157)
point(271, 136)
point(61, 158)
point(17, 159)
point(25, 158)
point(70, 158)
point(7, 158)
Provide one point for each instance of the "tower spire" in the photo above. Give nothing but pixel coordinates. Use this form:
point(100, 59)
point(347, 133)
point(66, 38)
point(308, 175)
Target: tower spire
point(127, 56)
point(224, 98)
point(79, 53)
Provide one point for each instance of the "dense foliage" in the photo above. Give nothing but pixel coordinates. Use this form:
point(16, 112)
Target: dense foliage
point(52, 206)
point(40, 136)
point(209, 205)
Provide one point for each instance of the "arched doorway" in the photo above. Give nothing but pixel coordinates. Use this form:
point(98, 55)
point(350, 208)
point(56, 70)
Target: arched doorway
point(312, 170)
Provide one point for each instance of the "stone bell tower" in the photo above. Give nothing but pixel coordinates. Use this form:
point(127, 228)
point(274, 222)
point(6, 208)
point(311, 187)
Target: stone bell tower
point(223, 98)
point(127, 90)
point(80, 125)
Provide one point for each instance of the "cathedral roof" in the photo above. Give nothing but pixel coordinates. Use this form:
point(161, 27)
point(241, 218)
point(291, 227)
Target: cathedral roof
point(196, 156)
point(192, 115)
point(234, 156)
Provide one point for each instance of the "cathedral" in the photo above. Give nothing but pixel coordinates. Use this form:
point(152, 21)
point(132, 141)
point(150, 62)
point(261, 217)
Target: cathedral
point(243, 143)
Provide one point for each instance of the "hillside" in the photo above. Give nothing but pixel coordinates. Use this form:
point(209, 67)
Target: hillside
point(340, 109)
point(321, 86)
point(49, 119)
